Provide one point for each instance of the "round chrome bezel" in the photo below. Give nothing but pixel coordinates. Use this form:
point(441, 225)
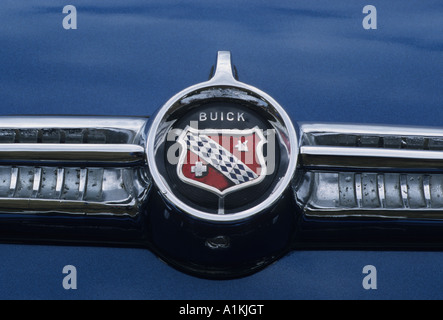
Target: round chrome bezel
point(223, 79)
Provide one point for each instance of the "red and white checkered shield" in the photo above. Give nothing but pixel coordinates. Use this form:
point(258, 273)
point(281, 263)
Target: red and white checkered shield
point(221, 160)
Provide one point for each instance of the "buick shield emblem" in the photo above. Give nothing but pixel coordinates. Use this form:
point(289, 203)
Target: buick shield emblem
point(222, 150)
point(221, 161)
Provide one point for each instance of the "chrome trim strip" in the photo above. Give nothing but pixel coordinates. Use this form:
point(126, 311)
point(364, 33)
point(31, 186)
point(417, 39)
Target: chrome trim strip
point(87, 154)
point(133, 124)
point(367, 129)
point(353, 157)
point(68, 207)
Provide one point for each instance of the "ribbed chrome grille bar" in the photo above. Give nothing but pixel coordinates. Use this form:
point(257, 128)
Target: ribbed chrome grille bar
point(83, 158)
point(54, 170)
point(364, 171)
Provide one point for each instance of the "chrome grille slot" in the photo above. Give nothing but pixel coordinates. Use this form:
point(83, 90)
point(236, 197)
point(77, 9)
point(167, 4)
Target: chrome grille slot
point(361, 136)
point(26, 136)
point(7, 136)
point(370, 141)
point(66, 135)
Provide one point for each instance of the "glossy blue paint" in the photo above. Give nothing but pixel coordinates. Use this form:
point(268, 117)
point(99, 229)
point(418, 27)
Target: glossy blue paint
point(35, 272)
point(129, 57)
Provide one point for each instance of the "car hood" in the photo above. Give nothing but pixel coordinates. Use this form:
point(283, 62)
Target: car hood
point(315, 59)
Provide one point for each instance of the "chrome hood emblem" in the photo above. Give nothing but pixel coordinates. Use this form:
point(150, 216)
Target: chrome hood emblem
point(213, 124)
point(219, 183)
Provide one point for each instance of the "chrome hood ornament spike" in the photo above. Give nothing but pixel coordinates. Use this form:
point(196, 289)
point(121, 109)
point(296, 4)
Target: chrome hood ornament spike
point(219, 182)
